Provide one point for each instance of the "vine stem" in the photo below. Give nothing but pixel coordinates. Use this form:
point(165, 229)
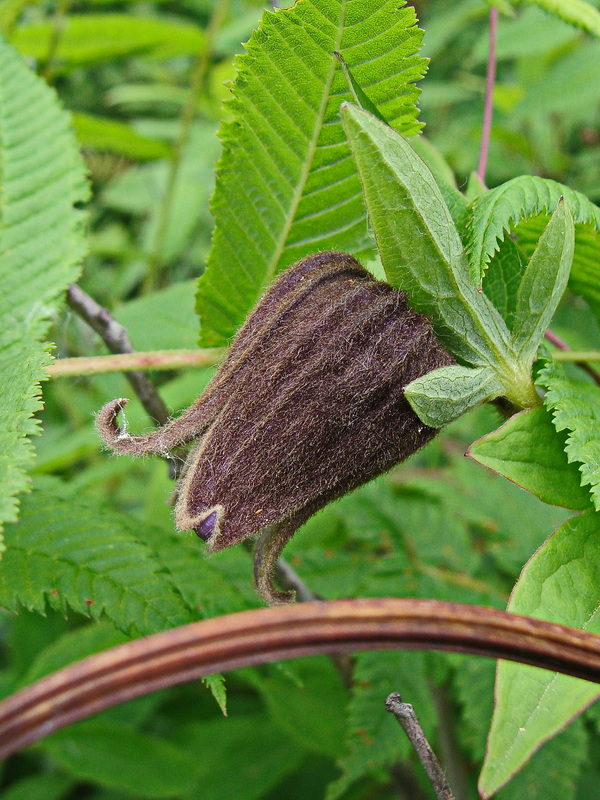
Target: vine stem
point(486, 131)
point(262, 635)
point(126, 362)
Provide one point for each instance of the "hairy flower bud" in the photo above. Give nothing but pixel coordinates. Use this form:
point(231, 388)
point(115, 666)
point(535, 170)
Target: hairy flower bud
point(308, 405)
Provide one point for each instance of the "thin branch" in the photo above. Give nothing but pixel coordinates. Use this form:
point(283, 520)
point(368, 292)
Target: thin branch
point(406, 716)
point(125, 362)
point(486, 131)
point(116, 338)
point(273, 634)
point(566, 354)
point(447, 732)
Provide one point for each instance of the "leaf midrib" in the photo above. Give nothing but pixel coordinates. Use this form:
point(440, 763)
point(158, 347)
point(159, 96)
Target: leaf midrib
point(305, 172)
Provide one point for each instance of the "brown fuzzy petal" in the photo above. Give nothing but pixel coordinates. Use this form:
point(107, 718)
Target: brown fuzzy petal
point(321, 411)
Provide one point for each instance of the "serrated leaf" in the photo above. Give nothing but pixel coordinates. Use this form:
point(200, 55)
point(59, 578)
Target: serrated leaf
point(419, 245)
point(447, 393)
point(41, 245)
point(502, 278)
point(374, 738)
point(560, 583)
point(575, 407)
point(531, 453)
point(543, 283)
point(94, 38)
point(111, 136)
point(576, 12)
point(502, 208)
point(115, 756)
point(69, 553)
point(286, 162)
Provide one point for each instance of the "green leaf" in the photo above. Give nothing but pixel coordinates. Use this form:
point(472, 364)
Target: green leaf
point(502, 208)
point(575, 407)
point(313, 711)
point(560, 583)
point(585, 272)
point(555, 771)
point(73, 646)
point(110, 136)
point(543, 283)
point(576, 12)
point(286, 163)
point(161, 320)
point(529, 452)
point(94, 38)
point(72, 553)
point(41, 245)
point(241, 756)
point(418, 242)
point(447, 393)
point(47, 785)
point(114, 755)
point(502, 279)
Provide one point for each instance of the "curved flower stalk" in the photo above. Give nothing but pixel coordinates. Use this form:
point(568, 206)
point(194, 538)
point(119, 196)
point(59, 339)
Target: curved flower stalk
point(308, 405)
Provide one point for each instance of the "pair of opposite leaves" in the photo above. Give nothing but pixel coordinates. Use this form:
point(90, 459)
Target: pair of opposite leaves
point(308, 405)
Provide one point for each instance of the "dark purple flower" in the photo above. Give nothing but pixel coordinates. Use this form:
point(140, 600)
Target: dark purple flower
point(308, 405)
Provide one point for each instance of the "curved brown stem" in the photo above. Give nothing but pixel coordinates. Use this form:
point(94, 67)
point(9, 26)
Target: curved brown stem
point(270, 634)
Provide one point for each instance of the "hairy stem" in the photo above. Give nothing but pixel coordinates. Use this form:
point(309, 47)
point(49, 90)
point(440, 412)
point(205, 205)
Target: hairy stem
point(565, 353)
point(141, 362)
point(272, 634)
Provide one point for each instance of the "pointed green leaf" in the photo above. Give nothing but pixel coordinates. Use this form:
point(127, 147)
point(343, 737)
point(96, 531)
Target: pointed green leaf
point(418, 242)
point(41, 245)
point(286, 184)
point(578, 13)
point(575, 408)
point(531, 453)
point(585, 272)
point(447, 393)
point(118, 757)
point(560, 583)
point(502, 208)
point(543, 283)
point(109, 136)
point(93, 38)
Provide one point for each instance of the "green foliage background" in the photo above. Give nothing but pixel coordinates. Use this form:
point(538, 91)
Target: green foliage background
point(94, 559)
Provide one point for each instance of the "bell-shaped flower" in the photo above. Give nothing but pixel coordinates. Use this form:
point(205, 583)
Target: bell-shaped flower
point(308, 405)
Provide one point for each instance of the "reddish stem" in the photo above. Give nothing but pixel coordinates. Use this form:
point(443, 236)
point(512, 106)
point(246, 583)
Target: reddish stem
point(271, 634)
point(489, 94)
